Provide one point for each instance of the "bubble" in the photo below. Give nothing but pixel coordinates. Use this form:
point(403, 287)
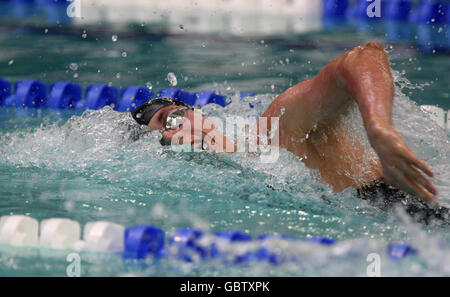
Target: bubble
point(149, 85)
point(114, 38)
point(181, 27)
point(46, 31)
point(73, 66)
point(118, 75)
point(272, 87)
point(75, 75)
point(172, 79)
point(11, 62)
point(84, 35)
point(124, 54)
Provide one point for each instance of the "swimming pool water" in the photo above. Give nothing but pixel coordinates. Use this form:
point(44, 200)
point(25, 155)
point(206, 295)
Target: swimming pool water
point(87, 167)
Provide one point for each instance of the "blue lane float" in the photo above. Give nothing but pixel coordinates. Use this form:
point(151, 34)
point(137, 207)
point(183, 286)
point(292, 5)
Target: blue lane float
point(335, 8)
point(430, 11)
point(186, 242)
point(98, 96)
point(134, 96)
point(398, 10)
point(28, 93)
point(397, 251)
point(207, 97)
point(5, 90)
point(67, 95)
point(63, 95)
point(358, 10)
point(143, 241)
point(178, 94)
point(422, 24)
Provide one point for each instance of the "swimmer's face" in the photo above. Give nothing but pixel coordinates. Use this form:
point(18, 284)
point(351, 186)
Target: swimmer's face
point(158, 122)
point(183, 133)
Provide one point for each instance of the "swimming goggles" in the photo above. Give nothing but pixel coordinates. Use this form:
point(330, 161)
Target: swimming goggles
point(174, 120)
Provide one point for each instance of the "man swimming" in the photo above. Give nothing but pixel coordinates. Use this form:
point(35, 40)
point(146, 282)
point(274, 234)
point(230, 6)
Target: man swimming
point(309, 128)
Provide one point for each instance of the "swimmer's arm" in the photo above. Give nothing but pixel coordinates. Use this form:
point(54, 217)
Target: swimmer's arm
point(365, 74)
point(362, 74)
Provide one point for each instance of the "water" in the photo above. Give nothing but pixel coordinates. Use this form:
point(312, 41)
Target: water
point(90, 166)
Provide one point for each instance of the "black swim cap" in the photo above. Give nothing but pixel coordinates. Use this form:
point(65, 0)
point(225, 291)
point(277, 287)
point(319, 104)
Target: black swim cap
point(145, 112)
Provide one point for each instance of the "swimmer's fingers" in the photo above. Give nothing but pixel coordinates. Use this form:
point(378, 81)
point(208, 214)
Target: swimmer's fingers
point(422, 180)
point(421, 191)
point(412, 186)
point(415, 174)
point(409, 157)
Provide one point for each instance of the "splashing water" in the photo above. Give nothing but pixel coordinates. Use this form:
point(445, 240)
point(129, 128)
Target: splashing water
point(102, 166)
point(172, 79)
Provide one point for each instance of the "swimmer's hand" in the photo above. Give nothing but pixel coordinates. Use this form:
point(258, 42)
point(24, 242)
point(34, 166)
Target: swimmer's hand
point(401, 167)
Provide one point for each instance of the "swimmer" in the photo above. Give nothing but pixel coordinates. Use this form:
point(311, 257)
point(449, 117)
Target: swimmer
point(309, 128)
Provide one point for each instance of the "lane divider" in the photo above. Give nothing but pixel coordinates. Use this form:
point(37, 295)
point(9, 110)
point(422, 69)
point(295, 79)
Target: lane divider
point(31, 93)
point(146, 241)
point(423, 24)
point(423, 11)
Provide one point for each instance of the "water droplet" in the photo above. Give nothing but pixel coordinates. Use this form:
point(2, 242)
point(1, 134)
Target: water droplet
point(149, 85)
point(114, 38)
point(73, 66)
point(11, 62)
point(124, 54)
point(172, 79)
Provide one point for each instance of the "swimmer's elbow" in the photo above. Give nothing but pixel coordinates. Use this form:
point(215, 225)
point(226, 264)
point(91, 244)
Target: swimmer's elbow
point(374, 45)
point(370, 56)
